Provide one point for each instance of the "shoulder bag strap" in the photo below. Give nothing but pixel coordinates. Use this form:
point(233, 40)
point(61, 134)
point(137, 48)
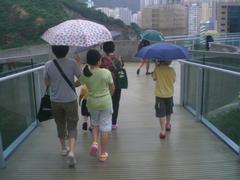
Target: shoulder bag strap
point(63, 75)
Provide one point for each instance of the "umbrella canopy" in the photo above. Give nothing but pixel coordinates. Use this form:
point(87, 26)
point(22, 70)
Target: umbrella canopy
point(211, 33)
point(77, 32)
point(152, 36)
point(163, 51)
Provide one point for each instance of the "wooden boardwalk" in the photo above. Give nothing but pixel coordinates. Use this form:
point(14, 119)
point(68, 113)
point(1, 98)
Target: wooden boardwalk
point(190, 151)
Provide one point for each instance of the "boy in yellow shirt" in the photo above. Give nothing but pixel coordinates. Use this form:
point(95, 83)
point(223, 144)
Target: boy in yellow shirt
point(164, 76)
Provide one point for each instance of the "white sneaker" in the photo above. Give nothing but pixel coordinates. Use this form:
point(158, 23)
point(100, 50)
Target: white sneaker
point(65, 151)
point(71, 160)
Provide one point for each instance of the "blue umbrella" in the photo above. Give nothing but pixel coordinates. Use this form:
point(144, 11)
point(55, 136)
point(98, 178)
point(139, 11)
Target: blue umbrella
point(163, 51)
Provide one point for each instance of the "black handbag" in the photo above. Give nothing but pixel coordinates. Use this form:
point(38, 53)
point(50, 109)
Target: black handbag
point(45, 110)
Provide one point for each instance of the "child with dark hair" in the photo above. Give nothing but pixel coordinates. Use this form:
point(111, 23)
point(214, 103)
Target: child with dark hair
point(113, 63)
point(164, 76)
point(100, 87)
point(64, 100)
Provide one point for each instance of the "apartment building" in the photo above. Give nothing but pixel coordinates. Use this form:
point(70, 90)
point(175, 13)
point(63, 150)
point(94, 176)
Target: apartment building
point(169, 19)
point(227, 15)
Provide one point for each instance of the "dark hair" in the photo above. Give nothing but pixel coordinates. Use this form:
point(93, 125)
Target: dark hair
point(93, 57)
point(60, 51)
point(208, 40)
point(108, 47)
point(166, 63)
point(145, 42)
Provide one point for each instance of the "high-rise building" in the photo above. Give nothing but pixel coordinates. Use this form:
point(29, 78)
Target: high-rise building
point(125, 14)
point(137, 18)
point(146, 3)
point(90, 3)
point(168, 19)
point(193, 18)
point(227, 15)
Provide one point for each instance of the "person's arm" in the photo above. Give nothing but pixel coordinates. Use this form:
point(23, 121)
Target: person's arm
point(174, 76)
point(77, 83)
point(111, 88)
point(47, 83)
point(154, 77)
point(46, 77)
point(78, 61)
point(111, 85)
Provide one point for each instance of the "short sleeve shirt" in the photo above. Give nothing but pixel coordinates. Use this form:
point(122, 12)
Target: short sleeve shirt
point(99, 97)
point(165, 77)
point(60, 90)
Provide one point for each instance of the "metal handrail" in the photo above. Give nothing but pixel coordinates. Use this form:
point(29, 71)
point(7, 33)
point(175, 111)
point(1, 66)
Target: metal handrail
point(210, 67)
point(222, 54)
point(19, 58)
point(24, 56)
point(20, 73)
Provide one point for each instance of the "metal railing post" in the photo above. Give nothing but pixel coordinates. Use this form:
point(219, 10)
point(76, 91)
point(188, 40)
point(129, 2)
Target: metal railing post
point(2, 161)
point(199, 93)
point(182, 84)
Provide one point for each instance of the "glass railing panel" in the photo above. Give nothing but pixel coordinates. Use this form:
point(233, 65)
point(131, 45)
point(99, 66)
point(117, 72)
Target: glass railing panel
point(17, 108)
point(190, 91)
point(221, 102)
point(16, 64)
point(222, 60)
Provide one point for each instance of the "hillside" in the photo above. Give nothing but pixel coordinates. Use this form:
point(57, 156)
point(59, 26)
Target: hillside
point(23, 22)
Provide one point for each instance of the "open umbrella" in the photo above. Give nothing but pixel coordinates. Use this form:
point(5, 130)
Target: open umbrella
point(211, 33)
point(152, 35)
point(163, 51)
point(77, 32)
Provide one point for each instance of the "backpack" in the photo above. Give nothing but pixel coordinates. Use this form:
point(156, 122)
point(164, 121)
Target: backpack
point(119, 73)
point(121, 81)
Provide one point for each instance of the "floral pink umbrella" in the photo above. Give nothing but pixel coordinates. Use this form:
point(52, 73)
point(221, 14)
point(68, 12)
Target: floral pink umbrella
point(81, 33)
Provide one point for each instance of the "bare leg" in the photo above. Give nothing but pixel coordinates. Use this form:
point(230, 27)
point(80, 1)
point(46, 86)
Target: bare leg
point(72, 144)
point(104, 142)
point(147, 66)
point(168, 120)
point(63, 142)
point(95, 132)
point(140, 66)
point(94, 146)
point(163, 125)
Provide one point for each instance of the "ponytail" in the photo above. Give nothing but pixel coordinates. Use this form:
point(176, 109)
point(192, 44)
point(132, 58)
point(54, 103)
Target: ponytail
point(86, 71)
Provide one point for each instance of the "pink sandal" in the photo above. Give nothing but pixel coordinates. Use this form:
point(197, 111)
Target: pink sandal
point(93, 149)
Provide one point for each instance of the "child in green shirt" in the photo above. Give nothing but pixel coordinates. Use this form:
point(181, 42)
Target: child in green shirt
point(99, 103)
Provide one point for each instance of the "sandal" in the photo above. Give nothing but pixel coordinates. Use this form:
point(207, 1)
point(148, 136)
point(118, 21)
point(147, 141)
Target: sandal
point(103, 157)
point(168, 127)
point(93, 149)
point(162, 136)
